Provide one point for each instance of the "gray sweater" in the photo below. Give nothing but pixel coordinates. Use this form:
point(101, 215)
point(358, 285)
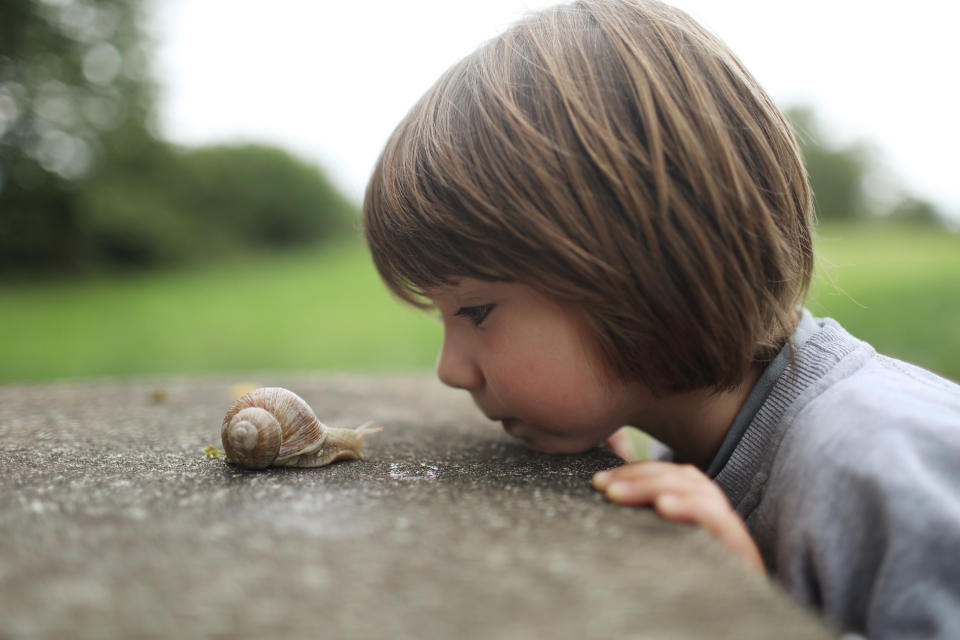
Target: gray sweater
point(845, 465)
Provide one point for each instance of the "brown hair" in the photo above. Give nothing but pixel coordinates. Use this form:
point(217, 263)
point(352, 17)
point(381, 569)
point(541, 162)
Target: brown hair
point(616, 156)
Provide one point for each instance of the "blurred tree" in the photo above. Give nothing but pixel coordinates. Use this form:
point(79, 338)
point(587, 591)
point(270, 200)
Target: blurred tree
point(839, 176)
point(84, 183)
point(75, 97)
point(915, 210)
point(264, 195)
point(198, 204)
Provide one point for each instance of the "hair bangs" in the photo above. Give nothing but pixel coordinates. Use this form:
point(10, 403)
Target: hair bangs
point(422, 231)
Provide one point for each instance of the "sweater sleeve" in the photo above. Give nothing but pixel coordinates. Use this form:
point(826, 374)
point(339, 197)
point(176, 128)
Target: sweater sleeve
point(870, 527)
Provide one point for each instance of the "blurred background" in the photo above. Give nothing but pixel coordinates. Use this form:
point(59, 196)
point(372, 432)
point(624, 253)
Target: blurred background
point(180, 180)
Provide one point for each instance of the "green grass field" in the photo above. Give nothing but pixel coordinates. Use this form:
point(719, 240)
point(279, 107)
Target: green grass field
point(320, 309)
point(895, 287)
point(325, 309)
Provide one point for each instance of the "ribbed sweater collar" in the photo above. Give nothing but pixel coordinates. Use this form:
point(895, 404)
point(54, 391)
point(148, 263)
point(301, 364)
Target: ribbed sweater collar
point(743, 462)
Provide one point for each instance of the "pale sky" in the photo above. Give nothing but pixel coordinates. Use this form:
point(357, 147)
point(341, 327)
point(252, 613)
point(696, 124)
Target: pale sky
point(330, 80)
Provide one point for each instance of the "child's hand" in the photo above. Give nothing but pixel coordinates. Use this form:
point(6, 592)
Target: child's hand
point(681, 493)
point(620, 443)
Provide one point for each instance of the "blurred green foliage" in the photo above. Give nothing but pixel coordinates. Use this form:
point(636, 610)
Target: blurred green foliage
point(75, 99)
point(837, 174)
point(209, 202)
point(841, 174)
point(84, 185)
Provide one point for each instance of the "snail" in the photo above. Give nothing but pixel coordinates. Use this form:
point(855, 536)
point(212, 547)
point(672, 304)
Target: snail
point(272, 426)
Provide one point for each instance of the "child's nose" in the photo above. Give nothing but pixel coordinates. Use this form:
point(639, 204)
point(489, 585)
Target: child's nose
point(456, 368)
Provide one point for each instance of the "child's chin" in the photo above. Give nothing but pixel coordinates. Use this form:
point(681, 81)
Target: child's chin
point(543, 441)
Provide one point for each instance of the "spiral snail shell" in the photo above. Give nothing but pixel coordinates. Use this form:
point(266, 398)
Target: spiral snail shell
point(273, 426)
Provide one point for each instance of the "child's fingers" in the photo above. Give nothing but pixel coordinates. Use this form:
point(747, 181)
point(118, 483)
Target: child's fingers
point(681, 493)
point(705, 510)
point(621, 444)
point(637, 470)
point(645, 489)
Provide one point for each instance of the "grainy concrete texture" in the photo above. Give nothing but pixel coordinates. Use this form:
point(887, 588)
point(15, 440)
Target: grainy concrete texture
point(114, 524)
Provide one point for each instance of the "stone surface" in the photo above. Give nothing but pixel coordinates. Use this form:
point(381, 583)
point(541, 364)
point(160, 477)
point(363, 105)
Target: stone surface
point(114, 524)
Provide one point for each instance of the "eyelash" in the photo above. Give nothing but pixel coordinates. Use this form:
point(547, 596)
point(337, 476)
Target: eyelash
point(476, 313)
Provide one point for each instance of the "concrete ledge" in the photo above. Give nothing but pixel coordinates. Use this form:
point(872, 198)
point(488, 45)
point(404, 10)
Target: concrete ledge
point(114, 524)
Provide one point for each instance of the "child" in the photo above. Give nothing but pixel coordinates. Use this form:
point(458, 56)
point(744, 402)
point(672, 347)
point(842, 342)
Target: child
point(613, 220)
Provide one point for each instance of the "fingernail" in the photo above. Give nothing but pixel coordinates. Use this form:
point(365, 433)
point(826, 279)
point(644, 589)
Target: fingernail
point(601, 479)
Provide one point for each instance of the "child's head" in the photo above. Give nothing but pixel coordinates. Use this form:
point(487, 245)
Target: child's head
point(616, 157)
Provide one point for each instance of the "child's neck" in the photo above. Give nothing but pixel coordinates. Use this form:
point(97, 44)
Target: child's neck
point(694, 423)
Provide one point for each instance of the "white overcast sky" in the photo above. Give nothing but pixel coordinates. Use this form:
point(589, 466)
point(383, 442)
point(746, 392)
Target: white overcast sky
point(329, 80)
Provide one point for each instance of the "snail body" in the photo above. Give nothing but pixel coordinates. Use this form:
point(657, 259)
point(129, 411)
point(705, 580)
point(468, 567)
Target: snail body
point(273, 426)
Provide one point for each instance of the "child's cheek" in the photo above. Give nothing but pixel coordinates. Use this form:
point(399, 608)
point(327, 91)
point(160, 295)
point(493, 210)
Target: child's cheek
point(552, 404)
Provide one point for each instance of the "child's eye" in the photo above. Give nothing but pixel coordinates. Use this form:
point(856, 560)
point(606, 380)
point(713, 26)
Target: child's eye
point(476, 313)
